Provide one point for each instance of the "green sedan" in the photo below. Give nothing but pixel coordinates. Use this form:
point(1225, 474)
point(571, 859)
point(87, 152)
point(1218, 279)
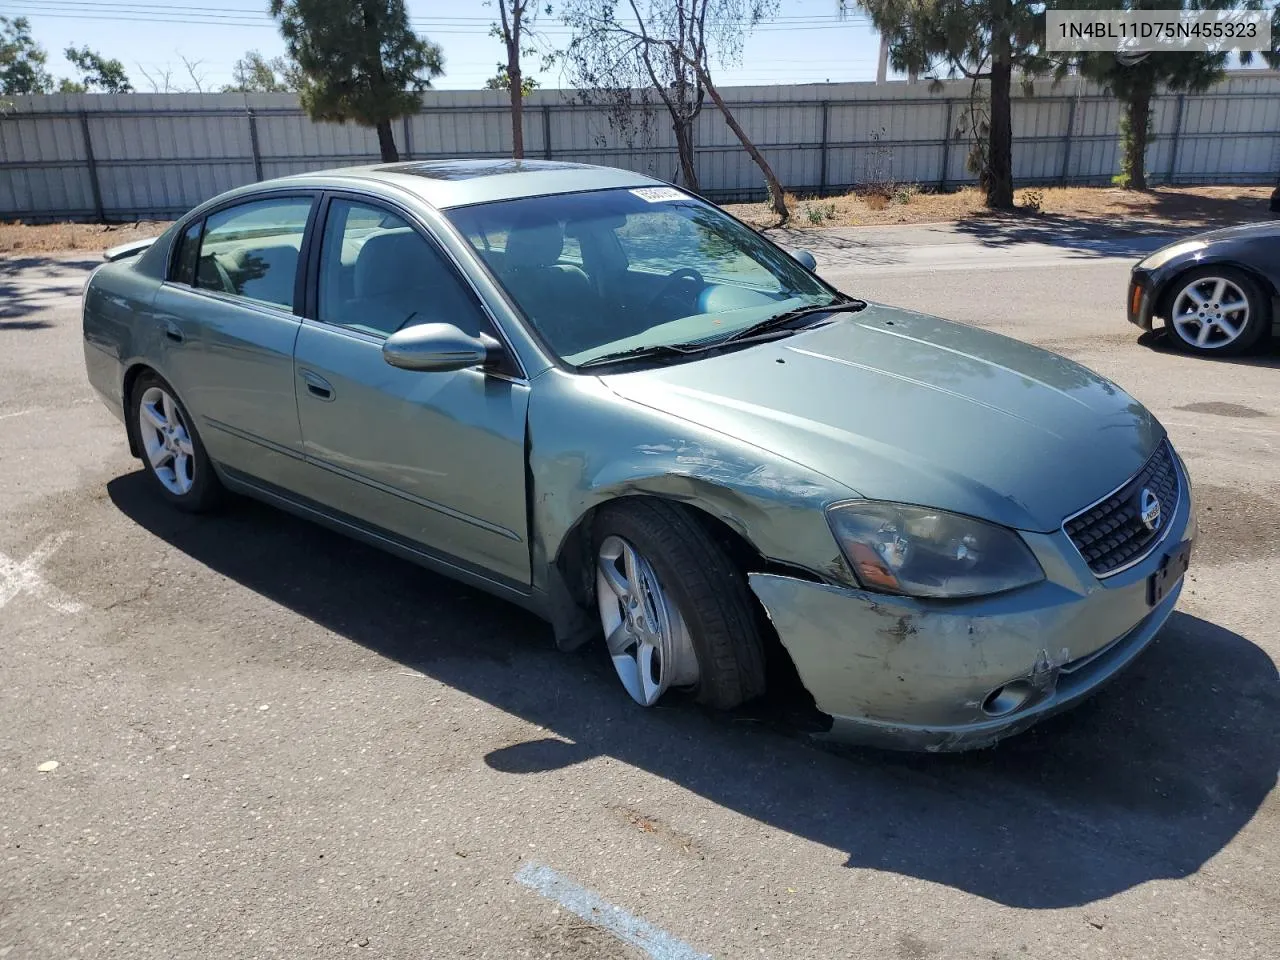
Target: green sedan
point(593, 394)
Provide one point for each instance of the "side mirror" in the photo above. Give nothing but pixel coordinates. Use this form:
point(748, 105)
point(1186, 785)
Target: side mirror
point(438, 348)
point(805, 259)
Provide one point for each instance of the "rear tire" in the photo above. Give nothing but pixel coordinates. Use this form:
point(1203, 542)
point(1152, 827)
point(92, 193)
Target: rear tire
point(1216, 310)
point(171, 450)
point(691, 588)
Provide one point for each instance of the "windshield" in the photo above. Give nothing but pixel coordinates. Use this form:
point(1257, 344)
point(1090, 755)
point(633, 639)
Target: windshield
point(613, 270)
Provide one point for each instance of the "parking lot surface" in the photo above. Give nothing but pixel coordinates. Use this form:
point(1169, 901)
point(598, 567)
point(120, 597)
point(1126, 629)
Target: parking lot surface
point(273, 742)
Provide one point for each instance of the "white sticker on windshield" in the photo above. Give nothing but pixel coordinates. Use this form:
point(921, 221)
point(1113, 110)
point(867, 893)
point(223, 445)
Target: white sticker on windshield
point(658, 194)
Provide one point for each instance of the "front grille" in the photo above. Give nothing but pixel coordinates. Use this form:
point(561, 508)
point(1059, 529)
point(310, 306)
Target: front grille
point(1111, 534)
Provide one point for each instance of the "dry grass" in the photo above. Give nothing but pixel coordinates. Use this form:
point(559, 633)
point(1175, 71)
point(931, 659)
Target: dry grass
point(1192, 207)
point(17, 238)
point(1186, 207)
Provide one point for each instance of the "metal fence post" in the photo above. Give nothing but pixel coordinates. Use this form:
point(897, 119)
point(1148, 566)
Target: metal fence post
point(92, 165)
point(253, 145)
point(822, 171)
point(546, 131)
point(946, 146)
point(1177, 132)
point(1066, 141)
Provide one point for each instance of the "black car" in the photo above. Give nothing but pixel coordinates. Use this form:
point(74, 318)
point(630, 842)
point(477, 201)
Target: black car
point(1216, 292)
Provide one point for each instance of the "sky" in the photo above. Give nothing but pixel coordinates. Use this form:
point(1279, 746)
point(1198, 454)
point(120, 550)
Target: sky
point(805, 42)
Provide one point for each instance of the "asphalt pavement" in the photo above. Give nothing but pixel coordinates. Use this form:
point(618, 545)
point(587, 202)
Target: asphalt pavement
point(272, 742)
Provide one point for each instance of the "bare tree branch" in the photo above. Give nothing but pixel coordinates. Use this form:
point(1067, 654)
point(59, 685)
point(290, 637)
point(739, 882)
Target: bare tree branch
point(197, 80)
point(622, 53)
point(161, 82)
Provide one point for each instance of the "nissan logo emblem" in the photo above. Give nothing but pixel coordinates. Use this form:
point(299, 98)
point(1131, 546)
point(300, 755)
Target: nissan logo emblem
point(1149, 509)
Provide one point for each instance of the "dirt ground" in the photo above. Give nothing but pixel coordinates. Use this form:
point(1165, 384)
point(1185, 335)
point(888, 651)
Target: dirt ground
point(22, 238)
point(1163, 206)
point(1191, 207)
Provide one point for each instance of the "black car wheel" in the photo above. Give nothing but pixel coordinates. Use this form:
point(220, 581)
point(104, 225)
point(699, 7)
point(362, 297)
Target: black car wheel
point(1217, 310)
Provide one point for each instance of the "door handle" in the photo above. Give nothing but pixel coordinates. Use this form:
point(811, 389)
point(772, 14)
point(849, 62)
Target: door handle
point(173, 332)
point(317, 385)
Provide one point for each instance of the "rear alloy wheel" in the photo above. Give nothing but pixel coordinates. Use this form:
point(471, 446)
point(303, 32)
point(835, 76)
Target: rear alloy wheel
point(675, 610)
point(1217, 310)
point(171, 450)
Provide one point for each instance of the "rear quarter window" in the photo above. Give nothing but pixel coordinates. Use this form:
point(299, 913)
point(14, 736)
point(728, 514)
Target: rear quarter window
point(187, 255)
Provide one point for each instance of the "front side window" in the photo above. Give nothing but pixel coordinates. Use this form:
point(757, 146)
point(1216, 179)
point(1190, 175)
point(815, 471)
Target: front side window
point(607, 271)
point(378, 275)
point(252, 250)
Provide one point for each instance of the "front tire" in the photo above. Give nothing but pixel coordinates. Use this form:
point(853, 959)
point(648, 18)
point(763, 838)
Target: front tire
point(1217, 310)
point(172, 453)
point(675, 610)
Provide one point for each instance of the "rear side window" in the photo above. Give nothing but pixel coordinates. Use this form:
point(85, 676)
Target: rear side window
point(188, 253)
point(252, 250)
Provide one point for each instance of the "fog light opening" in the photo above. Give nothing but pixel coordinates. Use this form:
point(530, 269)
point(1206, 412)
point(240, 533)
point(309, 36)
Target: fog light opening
point(1006, 699)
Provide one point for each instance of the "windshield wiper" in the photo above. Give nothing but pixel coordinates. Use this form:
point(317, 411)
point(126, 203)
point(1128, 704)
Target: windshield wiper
point(782, 319)
point(670, 350)
point(643, 353)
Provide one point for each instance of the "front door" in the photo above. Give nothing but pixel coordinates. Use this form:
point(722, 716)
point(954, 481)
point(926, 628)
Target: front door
point(436, 458)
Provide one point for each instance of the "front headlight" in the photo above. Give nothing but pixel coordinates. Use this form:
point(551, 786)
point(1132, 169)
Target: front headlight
point(922, 552)
point(1163, 256)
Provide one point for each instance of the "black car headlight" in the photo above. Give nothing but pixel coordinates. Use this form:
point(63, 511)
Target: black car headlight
point(1162, 256)
point(922, 552)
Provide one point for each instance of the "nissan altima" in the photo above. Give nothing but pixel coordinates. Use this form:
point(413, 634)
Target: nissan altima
point(600, 397)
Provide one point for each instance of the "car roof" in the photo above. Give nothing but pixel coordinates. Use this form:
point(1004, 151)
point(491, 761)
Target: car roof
point(455, 183)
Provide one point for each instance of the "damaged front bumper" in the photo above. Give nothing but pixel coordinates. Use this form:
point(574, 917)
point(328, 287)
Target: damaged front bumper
point(932, 675)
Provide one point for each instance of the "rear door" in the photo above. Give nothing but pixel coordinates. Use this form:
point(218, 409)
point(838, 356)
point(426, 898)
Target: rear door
point(230, 327)
point(435, 458)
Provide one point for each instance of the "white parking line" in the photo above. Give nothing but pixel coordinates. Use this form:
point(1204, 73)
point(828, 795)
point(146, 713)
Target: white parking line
point(600, 913)
point(25, 577)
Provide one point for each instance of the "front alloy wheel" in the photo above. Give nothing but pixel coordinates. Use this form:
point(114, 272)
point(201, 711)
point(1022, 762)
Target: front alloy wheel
point(1217, 310)
point(647, 637)
point(675, 610)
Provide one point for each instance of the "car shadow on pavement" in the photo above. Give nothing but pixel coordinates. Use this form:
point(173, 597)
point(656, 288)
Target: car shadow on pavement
point(1148, 780)
point(1267, 353)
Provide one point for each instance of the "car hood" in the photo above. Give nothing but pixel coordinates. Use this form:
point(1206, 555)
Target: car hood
point(901, 406)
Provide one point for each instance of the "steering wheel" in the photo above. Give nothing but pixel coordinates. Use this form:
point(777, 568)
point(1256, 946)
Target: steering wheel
point(671, 288)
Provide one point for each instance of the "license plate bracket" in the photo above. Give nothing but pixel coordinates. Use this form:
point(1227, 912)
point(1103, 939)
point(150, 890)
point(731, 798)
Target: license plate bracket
point(1171, 570)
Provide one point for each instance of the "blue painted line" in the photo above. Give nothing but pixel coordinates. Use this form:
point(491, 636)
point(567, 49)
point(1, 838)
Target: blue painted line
point(600, 913)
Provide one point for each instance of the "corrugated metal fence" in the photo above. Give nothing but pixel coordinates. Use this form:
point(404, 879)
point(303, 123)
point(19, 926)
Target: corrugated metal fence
point(134, 156)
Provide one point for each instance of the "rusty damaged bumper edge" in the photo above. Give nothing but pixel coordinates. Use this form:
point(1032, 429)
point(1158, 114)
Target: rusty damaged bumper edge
point(892, 674)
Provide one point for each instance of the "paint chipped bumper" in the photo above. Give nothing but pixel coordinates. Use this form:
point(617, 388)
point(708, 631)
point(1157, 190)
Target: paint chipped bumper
point(914, 674)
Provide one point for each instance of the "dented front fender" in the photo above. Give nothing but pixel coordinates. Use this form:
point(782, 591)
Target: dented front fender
point(588, 446)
